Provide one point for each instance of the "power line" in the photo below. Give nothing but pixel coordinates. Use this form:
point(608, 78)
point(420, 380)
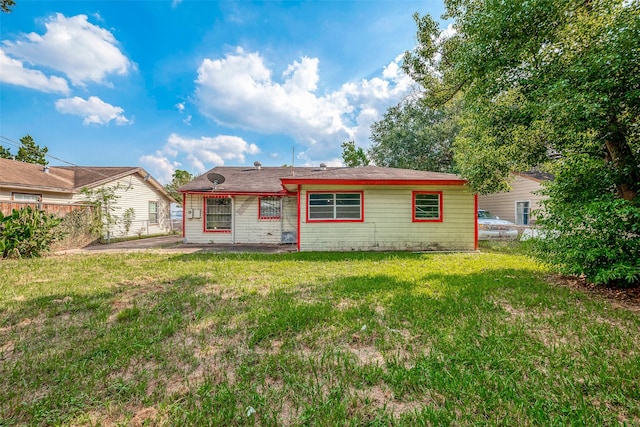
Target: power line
point(18, 145)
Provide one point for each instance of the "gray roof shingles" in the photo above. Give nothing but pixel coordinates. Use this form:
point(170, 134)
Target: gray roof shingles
point(268, 179)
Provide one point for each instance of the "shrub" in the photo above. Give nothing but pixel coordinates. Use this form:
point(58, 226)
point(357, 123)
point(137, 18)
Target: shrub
point(27, 232)
point(589, 229)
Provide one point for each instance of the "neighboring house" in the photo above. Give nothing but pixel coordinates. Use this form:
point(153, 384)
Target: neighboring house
point(58, 190)
point(518, 204)
point(333, 209)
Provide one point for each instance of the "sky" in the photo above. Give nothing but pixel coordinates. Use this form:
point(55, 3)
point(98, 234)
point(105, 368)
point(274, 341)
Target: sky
point(192, 85)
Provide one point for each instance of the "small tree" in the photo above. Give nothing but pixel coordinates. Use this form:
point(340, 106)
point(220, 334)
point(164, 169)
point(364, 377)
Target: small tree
point(103, 199)
point(30, 152)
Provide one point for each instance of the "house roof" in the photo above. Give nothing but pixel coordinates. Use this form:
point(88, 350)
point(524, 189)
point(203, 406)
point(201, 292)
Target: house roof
point(283, 179)
point(65, 179)
point(535, 175)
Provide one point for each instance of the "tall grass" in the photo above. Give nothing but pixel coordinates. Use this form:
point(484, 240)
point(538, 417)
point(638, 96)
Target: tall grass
point(300, 339)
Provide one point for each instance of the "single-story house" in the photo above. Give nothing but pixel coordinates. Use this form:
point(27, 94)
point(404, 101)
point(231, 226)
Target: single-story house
point(58, 190)
point(333, 209)
point(520, 203)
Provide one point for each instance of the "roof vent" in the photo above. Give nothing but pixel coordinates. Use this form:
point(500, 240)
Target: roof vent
point(323, 166)
point(46, 169)
point(257, 164)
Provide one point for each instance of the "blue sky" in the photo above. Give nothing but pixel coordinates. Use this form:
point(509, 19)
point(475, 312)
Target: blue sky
point(195, 84)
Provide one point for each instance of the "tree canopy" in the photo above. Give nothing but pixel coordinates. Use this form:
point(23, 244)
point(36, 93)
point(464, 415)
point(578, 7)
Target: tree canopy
point(28, 152)
point(180, 178)
point(353, 156)
point(552, 84)
point(410, 136)
point(6, 5)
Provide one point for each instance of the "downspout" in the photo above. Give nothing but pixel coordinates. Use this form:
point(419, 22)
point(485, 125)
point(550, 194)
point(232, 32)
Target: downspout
point(233, 220)
point(299, 219)
point(475, 222)
point(184, 215)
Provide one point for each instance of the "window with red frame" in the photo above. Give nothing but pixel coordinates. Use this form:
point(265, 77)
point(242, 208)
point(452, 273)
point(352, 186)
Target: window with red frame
point(270, 207)
point(335, 206)
point(218, 216)
point(427, 206)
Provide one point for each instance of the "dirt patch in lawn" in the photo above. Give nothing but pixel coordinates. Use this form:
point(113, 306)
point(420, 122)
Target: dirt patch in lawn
point(623, 297)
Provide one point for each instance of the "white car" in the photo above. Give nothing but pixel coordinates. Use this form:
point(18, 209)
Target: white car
point(492, 227)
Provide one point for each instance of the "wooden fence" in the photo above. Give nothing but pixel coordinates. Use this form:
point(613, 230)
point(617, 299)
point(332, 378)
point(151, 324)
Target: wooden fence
point(60, 210)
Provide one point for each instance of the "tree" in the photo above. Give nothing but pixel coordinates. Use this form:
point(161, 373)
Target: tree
point(30, 152)
point(5, 153)
point(410, 136)
point(552, 84)
point(180, 178)
point(353, 156)
point(6, 5)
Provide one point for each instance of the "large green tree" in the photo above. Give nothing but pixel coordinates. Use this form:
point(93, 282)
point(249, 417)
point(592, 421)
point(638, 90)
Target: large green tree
point(410, 136)
point(30, 152)
point(179, 178)
point(555, 84)
point(353, 156)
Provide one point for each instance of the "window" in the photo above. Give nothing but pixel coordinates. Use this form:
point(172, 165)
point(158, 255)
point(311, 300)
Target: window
point(153, 212)
point(335, 207)
point(269, 208)
point(522, 213)
point(218, 217)
point(26, 197)
point(427, 206)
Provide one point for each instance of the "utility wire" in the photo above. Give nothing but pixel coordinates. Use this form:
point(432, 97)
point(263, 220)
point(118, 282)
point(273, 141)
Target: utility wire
point(18, 145)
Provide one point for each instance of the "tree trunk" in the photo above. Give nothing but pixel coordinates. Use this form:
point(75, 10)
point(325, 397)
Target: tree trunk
point(623, 159)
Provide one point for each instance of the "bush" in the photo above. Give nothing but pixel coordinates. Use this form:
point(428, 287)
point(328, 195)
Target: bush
point(27, 232)
point(589, 229)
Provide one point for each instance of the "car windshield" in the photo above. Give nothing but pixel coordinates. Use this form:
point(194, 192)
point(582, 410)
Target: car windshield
point(485, 215)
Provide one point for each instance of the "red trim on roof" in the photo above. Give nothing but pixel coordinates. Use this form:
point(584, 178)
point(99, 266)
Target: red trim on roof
point(220, 193)
point(319, 181)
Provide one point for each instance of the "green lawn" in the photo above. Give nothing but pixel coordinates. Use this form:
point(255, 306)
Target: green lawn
point(309, 339)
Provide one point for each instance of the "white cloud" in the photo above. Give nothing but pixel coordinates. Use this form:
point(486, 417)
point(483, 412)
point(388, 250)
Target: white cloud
point(161, 167)
point(239, 91)
point(13, 72)
point(93, 110)
point(74, 46)
point(199, 153)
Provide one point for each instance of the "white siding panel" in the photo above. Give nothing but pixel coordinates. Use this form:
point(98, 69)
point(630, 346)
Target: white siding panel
point(388, 223)
point(246, 226)
point(133, 192)
point(504, 204)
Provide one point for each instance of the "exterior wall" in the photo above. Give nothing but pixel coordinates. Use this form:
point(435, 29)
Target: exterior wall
point(56, 203)
point(504, 204)
point(388, 222)
point(246, 226)
point(194, 224)
point(133, 192)
point(52, 198)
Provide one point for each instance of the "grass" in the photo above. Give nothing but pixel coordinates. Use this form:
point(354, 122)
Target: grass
point(310, 339)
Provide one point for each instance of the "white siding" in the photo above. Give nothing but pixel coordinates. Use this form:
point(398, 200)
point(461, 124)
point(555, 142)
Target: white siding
point(388, 222)
point(504, 204)
point(246, 226)
point(133, 192)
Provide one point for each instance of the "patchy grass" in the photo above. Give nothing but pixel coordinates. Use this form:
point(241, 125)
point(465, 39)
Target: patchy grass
point(298, 339)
